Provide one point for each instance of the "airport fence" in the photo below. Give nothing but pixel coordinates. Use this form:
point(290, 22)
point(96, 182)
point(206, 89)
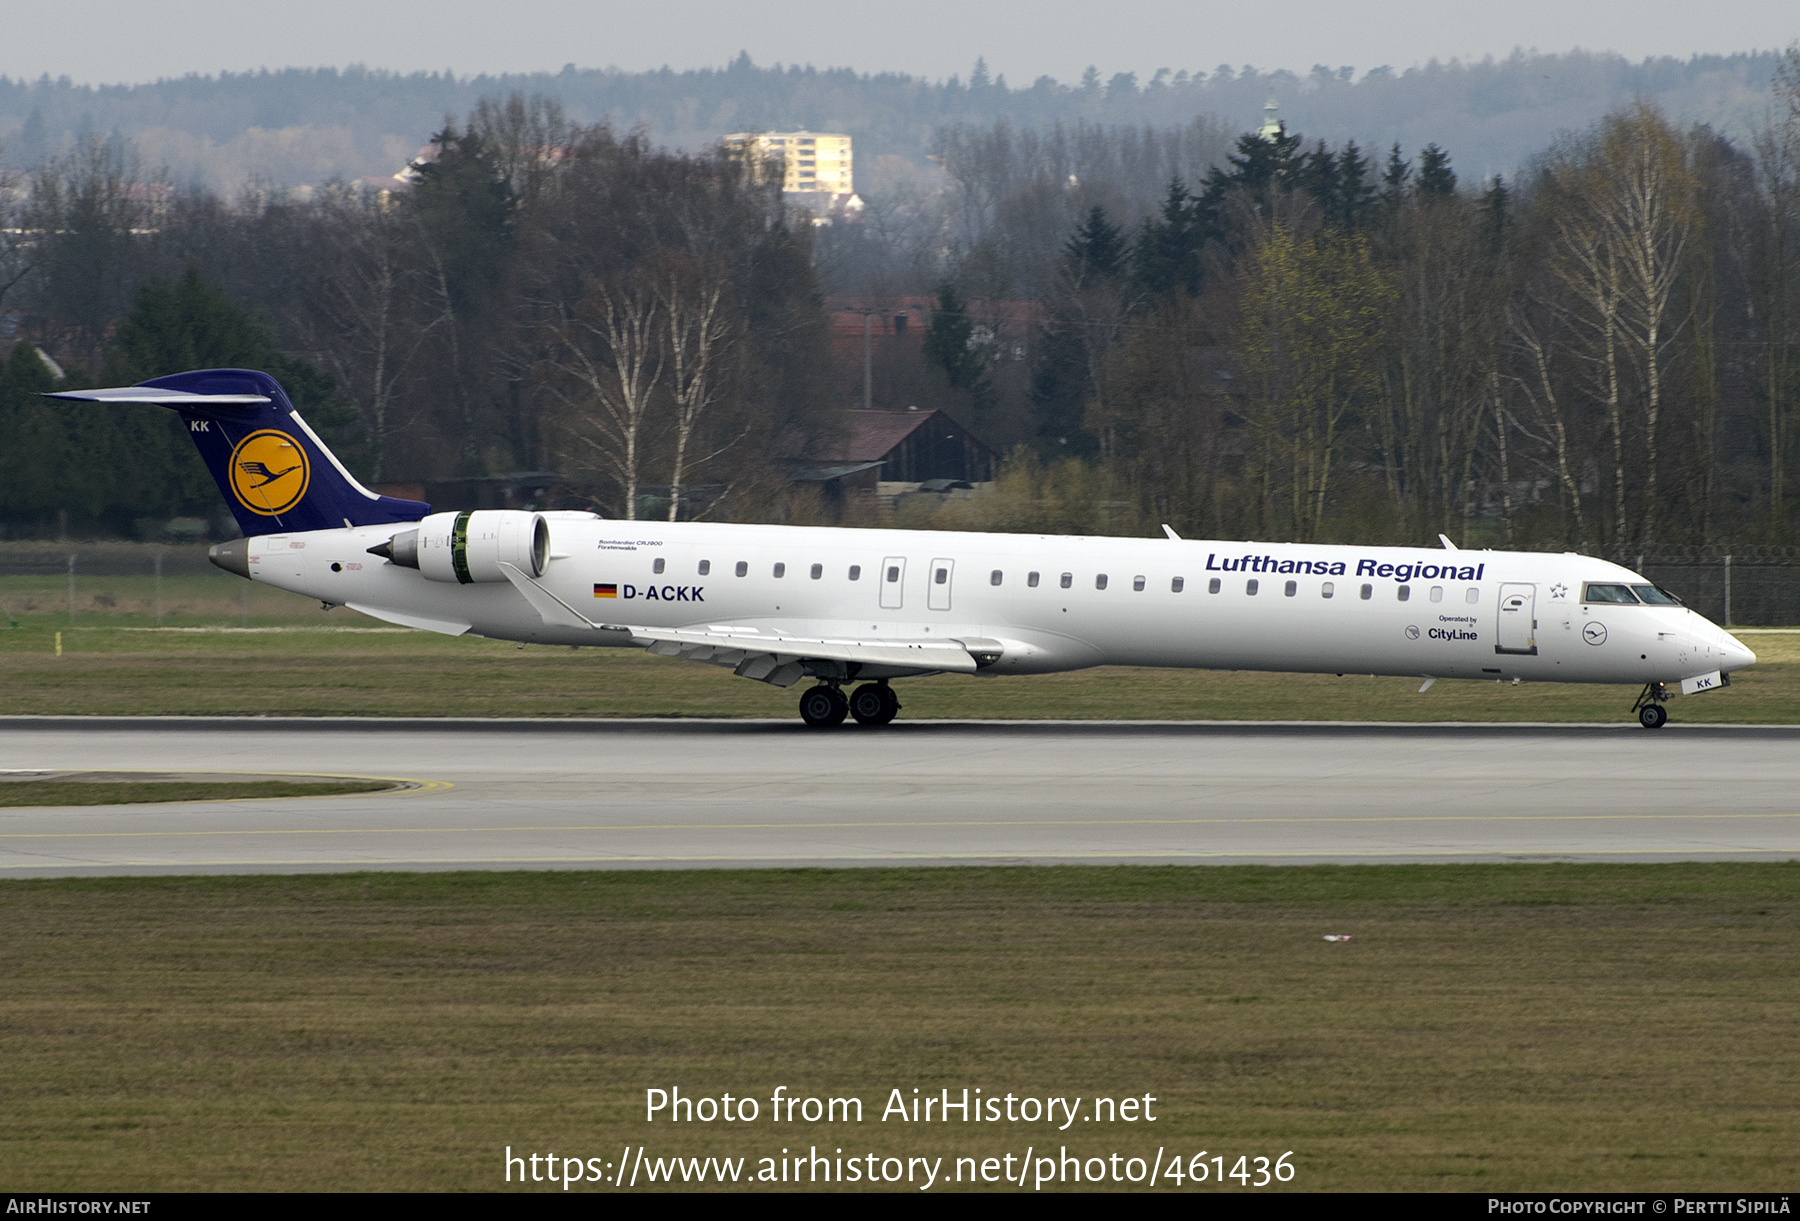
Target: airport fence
point(1752, 586)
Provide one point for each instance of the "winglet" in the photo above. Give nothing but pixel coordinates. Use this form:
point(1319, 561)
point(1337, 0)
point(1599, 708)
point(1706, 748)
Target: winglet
point(1169, 530)
point(1448, 545)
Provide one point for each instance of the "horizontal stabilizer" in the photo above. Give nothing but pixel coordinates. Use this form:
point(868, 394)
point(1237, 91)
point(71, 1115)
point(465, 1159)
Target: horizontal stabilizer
point(159, 397)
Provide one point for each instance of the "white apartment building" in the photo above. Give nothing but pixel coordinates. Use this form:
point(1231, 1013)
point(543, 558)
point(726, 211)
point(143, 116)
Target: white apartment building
point(810, 160)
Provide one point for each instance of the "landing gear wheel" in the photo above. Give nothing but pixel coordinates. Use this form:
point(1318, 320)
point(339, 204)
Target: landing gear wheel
point(824, 707)
point(1653, 716)
point(874, 704)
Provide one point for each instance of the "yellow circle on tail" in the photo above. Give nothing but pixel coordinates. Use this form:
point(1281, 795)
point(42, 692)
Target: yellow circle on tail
point(269, 472)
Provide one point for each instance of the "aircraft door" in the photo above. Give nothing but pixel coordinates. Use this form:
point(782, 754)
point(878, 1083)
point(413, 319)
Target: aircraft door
point(278, 557)
point(1518, 619)
point(893, 582)
point(937, 597)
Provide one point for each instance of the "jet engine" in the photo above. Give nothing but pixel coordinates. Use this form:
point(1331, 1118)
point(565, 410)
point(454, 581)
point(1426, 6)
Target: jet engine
point(470, 546)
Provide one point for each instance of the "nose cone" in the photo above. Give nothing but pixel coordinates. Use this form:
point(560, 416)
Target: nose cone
point(1734, 655)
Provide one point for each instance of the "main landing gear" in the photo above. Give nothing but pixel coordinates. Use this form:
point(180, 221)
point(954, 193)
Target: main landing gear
point(872, 704)
point(1649, 707)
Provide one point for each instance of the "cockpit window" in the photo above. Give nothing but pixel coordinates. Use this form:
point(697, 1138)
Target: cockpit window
point(1609, 593)
point(1655, 595)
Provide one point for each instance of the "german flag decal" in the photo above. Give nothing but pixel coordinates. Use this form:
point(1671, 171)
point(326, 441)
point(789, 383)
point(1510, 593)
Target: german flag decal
point(606, 591)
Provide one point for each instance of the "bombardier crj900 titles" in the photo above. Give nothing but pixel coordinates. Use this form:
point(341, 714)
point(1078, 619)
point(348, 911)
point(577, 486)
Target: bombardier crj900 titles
point(855, 609)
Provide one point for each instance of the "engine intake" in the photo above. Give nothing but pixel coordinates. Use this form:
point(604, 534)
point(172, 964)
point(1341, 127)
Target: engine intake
point(470, 546)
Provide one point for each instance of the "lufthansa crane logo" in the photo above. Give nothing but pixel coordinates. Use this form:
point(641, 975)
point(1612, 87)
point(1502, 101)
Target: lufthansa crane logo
point(269, 472)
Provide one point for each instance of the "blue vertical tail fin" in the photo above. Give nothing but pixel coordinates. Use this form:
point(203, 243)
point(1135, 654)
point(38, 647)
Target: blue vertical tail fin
point(274, 472)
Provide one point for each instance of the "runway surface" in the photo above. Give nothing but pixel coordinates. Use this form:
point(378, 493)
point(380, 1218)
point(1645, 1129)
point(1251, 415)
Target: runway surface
point(612, 794)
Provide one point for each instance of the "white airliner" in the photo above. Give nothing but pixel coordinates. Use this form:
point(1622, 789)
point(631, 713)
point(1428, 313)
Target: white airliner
point(856, 609)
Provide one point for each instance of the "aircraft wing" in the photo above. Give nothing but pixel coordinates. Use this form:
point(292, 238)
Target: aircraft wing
point(761, 655)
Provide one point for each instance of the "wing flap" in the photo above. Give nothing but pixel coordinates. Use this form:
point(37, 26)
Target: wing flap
point(734, 647)
point(698, 644)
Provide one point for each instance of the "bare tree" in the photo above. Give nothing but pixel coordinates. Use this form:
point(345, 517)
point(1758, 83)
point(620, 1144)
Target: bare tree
point(1769, 260)
point(17, 256)
point(1623, 222)
point(1546, 422)
point(699, 327)
point(360, 319)
point(608, 362)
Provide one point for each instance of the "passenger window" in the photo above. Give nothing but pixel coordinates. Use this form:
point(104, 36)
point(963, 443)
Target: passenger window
point(1031, 579)
point(1293, 587)
point(1403, 593)
point(1137, 583)
point(1368, 591)
point(941, 576)
point(1100, 581)
point(856, 572)
point(1176, 584)
point(1473, 596)
point(743, 568)
point(1327, 589)
point(1212, 586)
point(705, 567)
point(818, 570)
point(1437, 593)
point(1068, 579)
point(994, 577)
point(781, 570)
point(1251, 586)
point(657, 567)
point(893, 573)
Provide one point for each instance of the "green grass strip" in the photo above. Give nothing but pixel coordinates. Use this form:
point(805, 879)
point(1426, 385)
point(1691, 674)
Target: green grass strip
point(131, 792)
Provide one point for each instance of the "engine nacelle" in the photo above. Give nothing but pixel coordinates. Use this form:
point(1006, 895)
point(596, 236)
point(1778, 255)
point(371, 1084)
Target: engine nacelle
point(470, 546)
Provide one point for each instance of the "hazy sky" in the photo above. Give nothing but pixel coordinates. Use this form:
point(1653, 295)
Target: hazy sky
point(109, 41)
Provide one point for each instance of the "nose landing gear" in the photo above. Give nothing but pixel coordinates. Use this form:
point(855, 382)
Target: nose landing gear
point(1649, 707)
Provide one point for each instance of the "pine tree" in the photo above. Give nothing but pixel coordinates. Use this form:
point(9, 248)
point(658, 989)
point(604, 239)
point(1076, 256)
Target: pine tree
point(1436, 179)
point(947, 341)
point(1098, 248)
point(1496, 216)
point(1395, 178)
point(1166, 255)
point(1318, 174)
point(1356, 191)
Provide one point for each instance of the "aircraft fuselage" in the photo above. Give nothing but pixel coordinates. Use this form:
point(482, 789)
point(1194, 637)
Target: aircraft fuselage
point(1050, 602)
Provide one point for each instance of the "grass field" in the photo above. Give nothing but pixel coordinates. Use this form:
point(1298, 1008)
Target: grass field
point(1487, 1028)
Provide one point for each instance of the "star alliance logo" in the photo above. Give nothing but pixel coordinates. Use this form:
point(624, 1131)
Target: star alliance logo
point(1559, 590)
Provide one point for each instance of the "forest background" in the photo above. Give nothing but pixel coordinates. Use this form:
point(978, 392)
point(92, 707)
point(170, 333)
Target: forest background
point(1292, 336)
